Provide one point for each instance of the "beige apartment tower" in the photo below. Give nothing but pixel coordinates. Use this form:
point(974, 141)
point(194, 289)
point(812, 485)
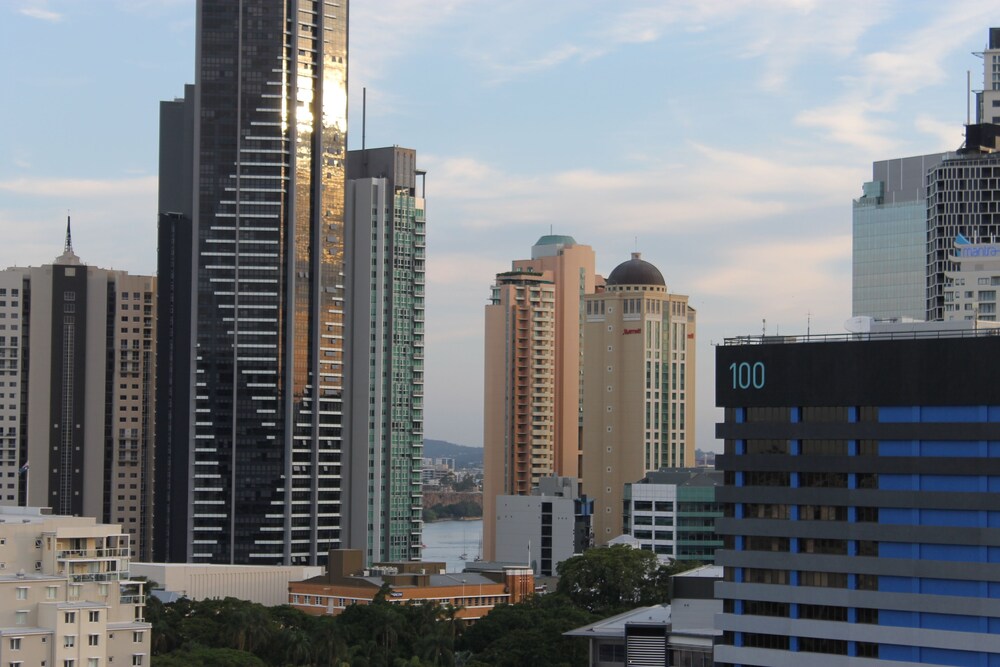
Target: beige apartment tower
point(78, 420)
point(66, 598)
point(532, 372)
point(638, 387)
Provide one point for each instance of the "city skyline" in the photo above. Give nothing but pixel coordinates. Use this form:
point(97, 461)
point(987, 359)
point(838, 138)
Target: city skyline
point(614, 126)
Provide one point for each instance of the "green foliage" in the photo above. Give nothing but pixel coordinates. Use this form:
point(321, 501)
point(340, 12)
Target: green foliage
point(467, 483)
point(611, 580)
point(529, 633)
point(460, 510)
point(233, 633)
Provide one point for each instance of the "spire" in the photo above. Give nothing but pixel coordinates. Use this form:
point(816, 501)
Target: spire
point(68, 256)
point(68, 248)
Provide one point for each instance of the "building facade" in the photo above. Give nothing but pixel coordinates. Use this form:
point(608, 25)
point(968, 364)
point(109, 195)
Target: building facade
point(533, 361)
point(347, 582)
point(79, 346)
point(673, 513)
point(386, 269)
point(545, 528)
point(963, 204)
point(889, 238)
point(638, 387)
point(67, 596)
point(251, 264)
point(861, 474)
point(988, 99)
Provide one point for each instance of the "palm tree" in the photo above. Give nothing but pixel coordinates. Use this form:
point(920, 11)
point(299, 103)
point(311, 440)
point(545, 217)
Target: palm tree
point(298, 650)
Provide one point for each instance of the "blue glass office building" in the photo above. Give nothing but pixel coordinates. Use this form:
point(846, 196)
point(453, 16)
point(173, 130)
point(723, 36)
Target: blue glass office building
point(862, 477)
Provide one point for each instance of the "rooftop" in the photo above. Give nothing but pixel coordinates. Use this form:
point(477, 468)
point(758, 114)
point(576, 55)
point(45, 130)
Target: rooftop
point(864, 329)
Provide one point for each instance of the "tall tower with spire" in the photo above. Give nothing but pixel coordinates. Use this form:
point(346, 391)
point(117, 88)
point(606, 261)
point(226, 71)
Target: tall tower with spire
point(79, 437)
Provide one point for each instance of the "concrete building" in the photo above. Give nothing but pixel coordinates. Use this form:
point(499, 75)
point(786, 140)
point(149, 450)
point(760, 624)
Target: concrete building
point(889, 267)
point(861, 474)
point(680, 633)
point(533, 361)
point(386, 263)
point(251, 458)
point(77, 430)
point(348, 582)
point(638, 387)
point(546, 528)
point(66, 594)
point(263, 584)
point(673, 512)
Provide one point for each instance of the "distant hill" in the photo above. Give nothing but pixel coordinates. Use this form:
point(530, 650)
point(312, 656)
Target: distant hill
point(465, 457)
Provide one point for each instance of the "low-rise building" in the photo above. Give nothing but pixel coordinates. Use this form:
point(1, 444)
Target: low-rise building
point(347, 581)
point(679, 633)
point(263, 584)
point(547, 527)
point(672, 512)
point(66, 599)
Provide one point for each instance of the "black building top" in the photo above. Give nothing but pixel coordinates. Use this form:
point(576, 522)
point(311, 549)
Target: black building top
point(636, 271)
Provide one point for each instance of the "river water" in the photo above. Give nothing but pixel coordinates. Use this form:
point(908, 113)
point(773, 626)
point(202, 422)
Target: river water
point(448, 540)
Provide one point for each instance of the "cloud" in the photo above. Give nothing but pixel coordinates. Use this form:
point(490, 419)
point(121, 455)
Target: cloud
point(916, 61)
point(41, 14)
point(949, 135)
point(80, 187)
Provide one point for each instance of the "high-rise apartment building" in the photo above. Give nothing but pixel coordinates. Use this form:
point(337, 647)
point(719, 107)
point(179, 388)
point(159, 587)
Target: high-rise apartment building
point(862, 476)
point(385, 257)
point(638, 387)
point(533, 362)
point(251, 263)
point(77, 346)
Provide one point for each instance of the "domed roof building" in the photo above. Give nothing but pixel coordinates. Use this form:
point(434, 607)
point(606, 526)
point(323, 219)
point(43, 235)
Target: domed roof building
point(638, 387)
point(633, 272)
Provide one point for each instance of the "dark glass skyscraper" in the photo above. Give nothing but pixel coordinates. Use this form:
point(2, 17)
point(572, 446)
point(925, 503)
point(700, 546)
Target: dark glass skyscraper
point(251, 259)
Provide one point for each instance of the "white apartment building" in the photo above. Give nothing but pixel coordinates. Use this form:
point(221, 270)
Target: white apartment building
point(66, 599)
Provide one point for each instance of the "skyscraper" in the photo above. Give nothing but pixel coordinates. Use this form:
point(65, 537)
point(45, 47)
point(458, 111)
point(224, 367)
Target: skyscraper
point(862, 476)
point(251, 265)
point(532, 393)
point(386, 240)
point(77, 346)
point(638, 387)
point(890, 240)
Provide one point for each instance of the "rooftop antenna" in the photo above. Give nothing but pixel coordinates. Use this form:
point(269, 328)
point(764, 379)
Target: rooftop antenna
point(364, 109)
point(69, 235)
point(763, 327)
point(968, 97)
point(808, 323)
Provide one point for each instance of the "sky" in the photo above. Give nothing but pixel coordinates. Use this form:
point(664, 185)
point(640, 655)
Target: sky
point(723, 139)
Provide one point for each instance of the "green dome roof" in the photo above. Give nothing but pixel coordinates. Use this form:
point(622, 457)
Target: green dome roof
point(556, 239)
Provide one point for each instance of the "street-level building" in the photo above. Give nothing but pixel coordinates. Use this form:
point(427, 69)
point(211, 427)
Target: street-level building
point(638, 387)
point(546, 528)
point(65, 593)
point(862, 475)
point(673, 512)
point(348, 582)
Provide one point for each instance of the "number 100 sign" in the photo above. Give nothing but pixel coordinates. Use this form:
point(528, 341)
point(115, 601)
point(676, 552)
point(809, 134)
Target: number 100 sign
point(748, 375)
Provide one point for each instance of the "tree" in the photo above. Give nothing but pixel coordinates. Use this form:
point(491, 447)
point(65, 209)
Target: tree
point(607, 581)
point(527, 634)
